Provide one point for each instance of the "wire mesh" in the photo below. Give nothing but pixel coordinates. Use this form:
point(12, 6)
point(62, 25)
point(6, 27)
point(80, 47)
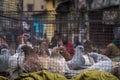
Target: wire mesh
point(97, 26)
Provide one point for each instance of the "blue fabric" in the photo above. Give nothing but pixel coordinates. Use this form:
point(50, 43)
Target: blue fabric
point(38, 27)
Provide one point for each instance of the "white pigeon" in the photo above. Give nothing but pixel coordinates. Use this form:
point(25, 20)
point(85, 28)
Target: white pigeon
point(78, 59)
point(10, 63)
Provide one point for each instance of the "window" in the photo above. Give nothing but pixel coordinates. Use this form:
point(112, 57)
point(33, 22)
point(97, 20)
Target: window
point(30, 7)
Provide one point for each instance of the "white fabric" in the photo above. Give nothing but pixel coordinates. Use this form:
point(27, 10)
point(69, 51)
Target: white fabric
point(10, 63)
point(25, 25)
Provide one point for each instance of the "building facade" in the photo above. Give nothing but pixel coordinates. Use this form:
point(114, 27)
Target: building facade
point(8, 10)
point(42, 13)
point(100, 18)
point(34, 5)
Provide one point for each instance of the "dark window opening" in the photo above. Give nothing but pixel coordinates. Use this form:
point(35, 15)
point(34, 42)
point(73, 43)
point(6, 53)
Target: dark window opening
point(42, 7)
point(30, 7)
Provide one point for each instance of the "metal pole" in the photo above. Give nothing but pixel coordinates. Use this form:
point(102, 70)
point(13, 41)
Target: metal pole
point(119, 14)
point(33, 5)
point(119, 25)
point(21, 11)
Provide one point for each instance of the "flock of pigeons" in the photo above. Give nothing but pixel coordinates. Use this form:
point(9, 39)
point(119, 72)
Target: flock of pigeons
point(30, 59)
